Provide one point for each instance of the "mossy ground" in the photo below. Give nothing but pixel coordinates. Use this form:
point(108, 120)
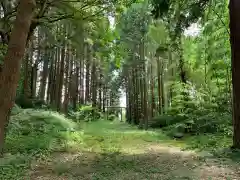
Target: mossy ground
point(58, 148)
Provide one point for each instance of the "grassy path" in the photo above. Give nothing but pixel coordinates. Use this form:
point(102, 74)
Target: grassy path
point(113, 151)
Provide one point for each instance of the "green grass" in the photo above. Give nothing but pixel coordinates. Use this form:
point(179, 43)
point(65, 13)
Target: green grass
point(62, 148)
point(33, 134)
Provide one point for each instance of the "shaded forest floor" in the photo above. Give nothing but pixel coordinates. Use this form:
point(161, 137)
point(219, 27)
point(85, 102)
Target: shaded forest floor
point(109, 150)
point(118, 151)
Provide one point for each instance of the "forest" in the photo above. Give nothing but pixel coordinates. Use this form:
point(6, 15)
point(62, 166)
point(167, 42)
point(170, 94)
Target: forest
point(127, 89)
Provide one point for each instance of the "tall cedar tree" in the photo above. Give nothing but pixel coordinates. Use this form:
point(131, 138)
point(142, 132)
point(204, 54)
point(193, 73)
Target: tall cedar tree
point(234, 11)
point(12, 63)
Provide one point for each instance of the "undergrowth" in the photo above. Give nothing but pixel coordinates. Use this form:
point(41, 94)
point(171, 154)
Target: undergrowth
point(197, 116)
point(34, 134)
point(37, 134)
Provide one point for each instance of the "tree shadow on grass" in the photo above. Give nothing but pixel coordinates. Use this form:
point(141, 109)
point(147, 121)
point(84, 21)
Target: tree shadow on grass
point(227, 154)
point(151, 164)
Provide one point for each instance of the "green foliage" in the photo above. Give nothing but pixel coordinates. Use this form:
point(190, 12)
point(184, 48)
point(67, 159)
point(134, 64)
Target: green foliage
point(29, 103)
point(133, 26)
point(86, 113)
point(182, 13)
point(16, 110)
point(14, 166)
point(112, 117)
point(31, 124)
point(195, 112)
point(24, 102)
point(33, 134)
point(57, 143)
point(165, 120)
point(197, 122)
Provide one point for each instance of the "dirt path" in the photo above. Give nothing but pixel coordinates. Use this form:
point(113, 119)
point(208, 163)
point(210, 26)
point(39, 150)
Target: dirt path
point(143, 162)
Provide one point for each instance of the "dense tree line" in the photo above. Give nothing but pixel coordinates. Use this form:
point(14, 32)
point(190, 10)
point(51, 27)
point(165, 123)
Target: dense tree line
point(57, 54)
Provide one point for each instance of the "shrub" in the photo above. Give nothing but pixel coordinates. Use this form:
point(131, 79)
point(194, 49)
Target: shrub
point(87, 113)
point(39, 103)
point(196, 111)
point(111, 117)
point(34, 134)
point(211, 123)
point(165, 120)
point(24, 102)
point(29, 103)
point(16, 110)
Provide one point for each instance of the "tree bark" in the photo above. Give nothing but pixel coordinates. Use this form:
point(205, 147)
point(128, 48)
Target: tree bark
point(57, 82)
point(234, 11)
point(51, 78)
point(87, 80)
point(104, 98)
point(162, 87)
point(61, 77)
point(81, 82)
point(94, 84)
point(68, 74)
point(159, 86)
point(135, 96)
point(153, 105)
point(34, 77)
point(12, 63)
point(27, 75)
point(53, 81)
point(100, 89)
point(76, 87)
point(35, 68)
point(43, 84)
point(145, 99)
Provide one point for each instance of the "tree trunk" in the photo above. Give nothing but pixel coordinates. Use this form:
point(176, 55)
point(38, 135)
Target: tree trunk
point(76, 87)
point(159, 86)
point(145, 100)
point(43, 84)
point(12, 63)
point(87, 80)
point(68, 79)
point(182, 71)
point(104, 98)
point(50, 79)
point(153, 107)
point(81, 84)
point(27, 75)
point(35, 68)
point(61, 77)
point(170, 93)
point(53, 79)
point(128, 106)
point(141, 89)
point(57, 82)
point(135, 98)
point(172, 75)
point(100, 90)
point(94, 84)
point(162, 87)
point(234, 11)
point(129, 96)
point(34, 80)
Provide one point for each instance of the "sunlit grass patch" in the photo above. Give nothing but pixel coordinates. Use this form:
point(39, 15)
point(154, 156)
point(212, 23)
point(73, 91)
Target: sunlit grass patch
point(67, 146)
point(36, 134)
